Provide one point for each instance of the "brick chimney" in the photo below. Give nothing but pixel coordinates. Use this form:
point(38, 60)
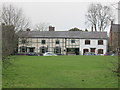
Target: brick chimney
point(51, 28)
point(27, 29)
point(111, 22)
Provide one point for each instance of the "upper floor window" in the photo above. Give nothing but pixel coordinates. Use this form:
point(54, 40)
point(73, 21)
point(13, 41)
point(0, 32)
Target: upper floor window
point(72, 41)
point(57, 42)
point(87, 42)
point(100, 42)
point(43, 42)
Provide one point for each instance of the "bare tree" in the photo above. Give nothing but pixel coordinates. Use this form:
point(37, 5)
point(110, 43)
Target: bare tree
point(99, 16)
point(41, 26)
point(12, 15)
point(92, 15)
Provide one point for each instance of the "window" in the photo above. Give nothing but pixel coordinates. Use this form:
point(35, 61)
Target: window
point(57, 50)
point(43, 49)
point(43, 41)
point(100, 51)
point(85, 50)
point(72, 41)
point(24, 41)
point(87, 42)
point(92, 50)
point(100, 42)
point(57, 42)
point(31, 49)
point(23, 49)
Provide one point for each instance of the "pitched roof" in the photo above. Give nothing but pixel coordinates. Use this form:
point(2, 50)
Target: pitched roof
point(63, 34)
point(115, 27)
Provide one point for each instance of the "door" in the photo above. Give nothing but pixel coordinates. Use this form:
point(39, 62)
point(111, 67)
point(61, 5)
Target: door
point(85, 50)
point(31, 49)
point(92, 50)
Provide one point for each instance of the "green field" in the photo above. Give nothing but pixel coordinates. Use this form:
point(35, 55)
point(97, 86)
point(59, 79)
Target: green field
point(60, 72)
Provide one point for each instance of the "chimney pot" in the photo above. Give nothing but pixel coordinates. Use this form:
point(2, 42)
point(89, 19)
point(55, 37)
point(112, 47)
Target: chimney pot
point(27, 29)
point(51, 28)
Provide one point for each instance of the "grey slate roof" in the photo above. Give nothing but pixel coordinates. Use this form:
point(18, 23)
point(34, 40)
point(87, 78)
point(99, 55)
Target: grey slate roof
point(63, 34)
point(115, 27)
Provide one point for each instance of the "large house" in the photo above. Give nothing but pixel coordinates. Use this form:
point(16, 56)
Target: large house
point(62, 42)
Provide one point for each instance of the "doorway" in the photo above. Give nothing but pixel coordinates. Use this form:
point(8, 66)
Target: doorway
point(31, 49)
point(92, 50)
point(85, 50)
point(73, 51)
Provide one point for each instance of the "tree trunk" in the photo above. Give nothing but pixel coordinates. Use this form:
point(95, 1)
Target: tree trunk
point(95, 27)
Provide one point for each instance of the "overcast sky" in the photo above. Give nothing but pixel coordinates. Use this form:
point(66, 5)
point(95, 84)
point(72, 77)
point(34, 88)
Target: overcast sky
point(61, 15)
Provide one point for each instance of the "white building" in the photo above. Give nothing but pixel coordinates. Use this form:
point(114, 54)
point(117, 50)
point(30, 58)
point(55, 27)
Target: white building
point(99, 46)
point(62, 42)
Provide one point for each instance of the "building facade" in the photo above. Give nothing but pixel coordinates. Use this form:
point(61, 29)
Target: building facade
point(62, 42)
point(98, 46)
point(114, 37)
point(9, 39)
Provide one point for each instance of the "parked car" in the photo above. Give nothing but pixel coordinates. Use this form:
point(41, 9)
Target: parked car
point(71, 53)
point(49, 54)
point(59, 54)
point(101, 54)
point(28, 54)
point(89, 53)
point(20, 53)
point(32, 54)
point(109, 54)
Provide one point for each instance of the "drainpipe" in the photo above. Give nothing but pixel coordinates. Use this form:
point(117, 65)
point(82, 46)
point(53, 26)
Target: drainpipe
point(65, 46)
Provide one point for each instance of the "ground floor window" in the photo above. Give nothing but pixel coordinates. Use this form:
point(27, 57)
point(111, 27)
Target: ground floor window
point(73, 51)
point(23, 49)
point(31, 49)
point(92, 50)
point(43, 49)
point(85, 50)
point(57, 50)
point(100, 51)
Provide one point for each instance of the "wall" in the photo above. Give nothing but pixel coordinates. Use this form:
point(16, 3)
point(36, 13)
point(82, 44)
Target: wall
point(50, 43)
point(64, 43)
point(9, 42)
point(115, 41)
point(93, 44)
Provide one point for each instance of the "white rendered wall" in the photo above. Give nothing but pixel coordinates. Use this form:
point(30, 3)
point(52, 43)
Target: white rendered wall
point(93, 44)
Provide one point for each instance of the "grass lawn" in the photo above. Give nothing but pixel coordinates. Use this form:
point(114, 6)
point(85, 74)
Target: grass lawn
point(60, 72)
point(0, 73)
